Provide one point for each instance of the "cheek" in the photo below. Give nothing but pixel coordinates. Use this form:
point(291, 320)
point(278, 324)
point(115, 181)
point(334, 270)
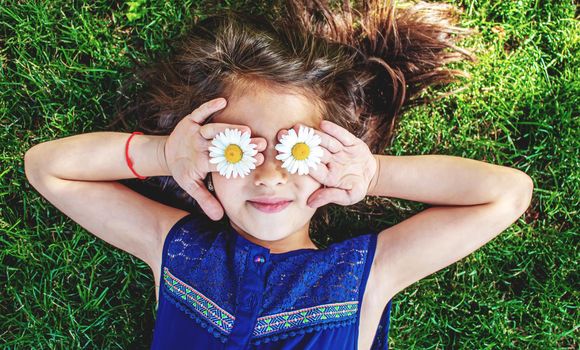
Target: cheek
point(225, 187)
point(309, 181)
point(308, 186)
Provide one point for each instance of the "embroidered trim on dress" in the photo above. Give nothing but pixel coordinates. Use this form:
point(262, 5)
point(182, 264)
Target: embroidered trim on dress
point(292, 319)
point(294, 322)
point(205, 306)
point(194, 316)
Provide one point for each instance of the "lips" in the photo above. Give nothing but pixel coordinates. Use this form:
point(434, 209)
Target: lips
point(270, 200)
point(270, 205)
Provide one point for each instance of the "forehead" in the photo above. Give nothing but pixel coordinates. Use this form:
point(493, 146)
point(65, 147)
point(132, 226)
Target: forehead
point(267, 112)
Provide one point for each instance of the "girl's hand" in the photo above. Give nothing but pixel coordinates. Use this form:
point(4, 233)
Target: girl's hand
point(347, 167)
point(187, 154)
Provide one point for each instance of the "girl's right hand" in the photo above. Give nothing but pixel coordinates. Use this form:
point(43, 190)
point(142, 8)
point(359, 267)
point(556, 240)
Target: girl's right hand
point(187, 154)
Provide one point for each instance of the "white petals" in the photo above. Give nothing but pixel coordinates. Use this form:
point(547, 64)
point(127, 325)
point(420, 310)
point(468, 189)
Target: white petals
point(307, 136)
point(217, 153)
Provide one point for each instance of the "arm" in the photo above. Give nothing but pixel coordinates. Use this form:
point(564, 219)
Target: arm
point(475, 201)
point(77, 175)
point(100, 156)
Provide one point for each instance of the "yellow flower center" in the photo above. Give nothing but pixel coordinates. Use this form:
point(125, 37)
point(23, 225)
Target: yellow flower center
point(233, 153)
point(300, 151)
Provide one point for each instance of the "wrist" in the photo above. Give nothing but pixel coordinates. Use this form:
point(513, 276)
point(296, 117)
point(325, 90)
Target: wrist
point(376, 175)
point(162, 156)
point(148, 155)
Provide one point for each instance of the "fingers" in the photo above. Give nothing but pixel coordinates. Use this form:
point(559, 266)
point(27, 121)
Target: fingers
point(338, 132)
point(210, 130)
point(328, 195)
point(210, 205)
point(336, 195)
point(259, 142)
point(326, 156)
point(320, 174)
point(206, 109)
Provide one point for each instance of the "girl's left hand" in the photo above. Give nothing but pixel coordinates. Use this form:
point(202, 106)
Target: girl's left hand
point(346, 169)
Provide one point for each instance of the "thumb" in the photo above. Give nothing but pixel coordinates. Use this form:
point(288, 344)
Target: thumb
point(214, 207)
point(316, 199)
point(327, 195)
point(210, 205)
point(206, 109)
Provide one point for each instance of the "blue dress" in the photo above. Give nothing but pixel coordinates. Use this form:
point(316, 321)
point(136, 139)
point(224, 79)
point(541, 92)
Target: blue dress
point(221, 291)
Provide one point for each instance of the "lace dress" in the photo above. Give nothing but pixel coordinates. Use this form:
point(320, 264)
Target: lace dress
point(221, 291)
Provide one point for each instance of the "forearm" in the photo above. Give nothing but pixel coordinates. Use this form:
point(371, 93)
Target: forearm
point(98, 156)
point(444, 180)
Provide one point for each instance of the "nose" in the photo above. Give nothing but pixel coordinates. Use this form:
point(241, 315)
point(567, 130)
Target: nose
point(270, 173)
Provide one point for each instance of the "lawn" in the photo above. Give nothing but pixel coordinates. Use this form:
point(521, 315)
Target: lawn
point(62, 65)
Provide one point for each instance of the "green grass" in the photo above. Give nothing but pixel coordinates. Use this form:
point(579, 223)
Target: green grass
point(61, 68)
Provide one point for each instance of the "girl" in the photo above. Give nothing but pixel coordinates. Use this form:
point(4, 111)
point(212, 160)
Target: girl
point(257, 280)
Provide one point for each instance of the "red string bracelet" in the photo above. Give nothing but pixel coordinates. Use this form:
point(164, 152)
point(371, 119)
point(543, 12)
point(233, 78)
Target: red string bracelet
point(129, 162)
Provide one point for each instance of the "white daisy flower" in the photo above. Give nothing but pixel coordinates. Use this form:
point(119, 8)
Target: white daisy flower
point(233, 153)
point(299, 152)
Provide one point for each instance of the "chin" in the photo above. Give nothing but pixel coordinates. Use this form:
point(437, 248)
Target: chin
point(270, 231)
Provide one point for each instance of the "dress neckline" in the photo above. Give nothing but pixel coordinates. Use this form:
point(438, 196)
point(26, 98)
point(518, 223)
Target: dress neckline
point(274, 256)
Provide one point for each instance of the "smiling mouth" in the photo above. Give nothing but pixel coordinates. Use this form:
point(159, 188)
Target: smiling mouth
point(270, 207)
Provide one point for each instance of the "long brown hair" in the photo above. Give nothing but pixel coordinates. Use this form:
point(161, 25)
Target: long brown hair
point(362, 66)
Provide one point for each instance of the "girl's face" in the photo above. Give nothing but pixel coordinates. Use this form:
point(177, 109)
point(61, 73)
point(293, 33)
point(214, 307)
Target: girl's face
point(266, 113)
